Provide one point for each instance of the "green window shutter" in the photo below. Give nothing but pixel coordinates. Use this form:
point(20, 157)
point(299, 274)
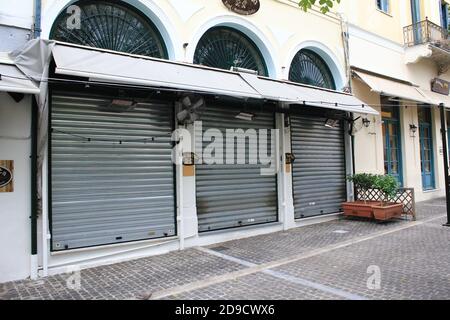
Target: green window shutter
point(223, 48)
point(309, 68)
point(112, 26)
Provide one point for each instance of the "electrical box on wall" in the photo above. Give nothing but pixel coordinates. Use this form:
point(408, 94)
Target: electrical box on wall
point(6, 176)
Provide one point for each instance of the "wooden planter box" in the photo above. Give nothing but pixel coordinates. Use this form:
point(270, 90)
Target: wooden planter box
point(387, 212)
point(360, 208)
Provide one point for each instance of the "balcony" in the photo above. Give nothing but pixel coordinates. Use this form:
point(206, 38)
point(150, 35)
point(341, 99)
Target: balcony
point(428, 40)
point(424, 32)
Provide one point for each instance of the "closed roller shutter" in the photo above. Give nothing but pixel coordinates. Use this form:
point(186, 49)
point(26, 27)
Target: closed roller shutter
point(112, 177)
point(230, 196)
point(319, 174)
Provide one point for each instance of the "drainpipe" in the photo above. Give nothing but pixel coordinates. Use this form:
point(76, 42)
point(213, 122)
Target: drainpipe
point(346, 46)
point(37, 19)
point(34, 200)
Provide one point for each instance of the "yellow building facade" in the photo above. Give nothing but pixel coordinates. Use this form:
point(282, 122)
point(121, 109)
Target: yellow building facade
point(393, 54)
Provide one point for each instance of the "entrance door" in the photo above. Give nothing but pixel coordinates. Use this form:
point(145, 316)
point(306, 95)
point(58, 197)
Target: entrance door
point(426, 148)
point(416, 18)
point(112, 176)
point(444, 15)
point(392, 143)
point(233, 195)
point(319, 171)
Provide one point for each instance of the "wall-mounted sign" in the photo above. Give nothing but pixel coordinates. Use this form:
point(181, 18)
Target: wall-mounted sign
point(6, 176)
point(244, 7)
point(440, 86)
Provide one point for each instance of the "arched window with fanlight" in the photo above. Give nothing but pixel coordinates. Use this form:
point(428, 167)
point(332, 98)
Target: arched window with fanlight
point(111, 25)
point(309, 68)
point(224, 48)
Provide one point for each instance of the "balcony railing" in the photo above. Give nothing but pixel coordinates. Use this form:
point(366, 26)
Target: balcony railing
point(425, 32)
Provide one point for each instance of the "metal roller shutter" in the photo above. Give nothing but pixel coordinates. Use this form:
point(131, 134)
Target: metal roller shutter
point(230, 196)
point(112, 177)
point(319, 174)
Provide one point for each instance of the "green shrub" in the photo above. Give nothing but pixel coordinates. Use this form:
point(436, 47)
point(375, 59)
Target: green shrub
point(386, 184)
point(364, 181)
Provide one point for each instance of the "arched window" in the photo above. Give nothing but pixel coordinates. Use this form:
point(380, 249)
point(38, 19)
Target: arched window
point(309, 68)
point(110, 25)
point(223, 48)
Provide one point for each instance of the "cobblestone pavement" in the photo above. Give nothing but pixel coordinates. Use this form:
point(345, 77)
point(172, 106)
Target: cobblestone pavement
point(332, 260)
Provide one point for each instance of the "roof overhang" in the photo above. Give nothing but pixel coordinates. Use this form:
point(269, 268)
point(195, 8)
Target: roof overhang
point(438, 52)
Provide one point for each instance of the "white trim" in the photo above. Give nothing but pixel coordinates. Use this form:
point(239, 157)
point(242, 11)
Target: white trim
point(246, 27)
point(357, 32)
point(148, 7)
point(326, 54)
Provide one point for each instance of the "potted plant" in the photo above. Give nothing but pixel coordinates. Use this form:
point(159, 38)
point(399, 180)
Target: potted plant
point(362, 208)
point(388, 186)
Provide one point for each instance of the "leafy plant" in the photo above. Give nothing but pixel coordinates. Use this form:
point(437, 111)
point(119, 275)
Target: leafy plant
point(388, 185)
point(325, 5)
point(363, 181)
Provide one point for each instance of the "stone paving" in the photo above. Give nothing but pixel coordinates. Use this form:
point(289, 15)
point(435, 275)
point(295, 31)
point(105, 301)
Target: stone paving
point(325, 261)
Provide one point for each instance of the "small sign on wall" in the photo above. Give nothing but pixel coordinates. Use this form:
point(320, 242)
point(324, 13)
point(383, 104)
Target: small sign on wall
point(6, 176)
point(440, 86)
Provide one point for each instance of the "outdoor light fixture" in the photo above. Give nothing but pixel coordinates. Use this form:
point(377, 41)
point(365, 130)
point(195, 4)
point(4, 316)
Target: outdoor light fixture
point(366, 122)
point(332, 123)
point(245, 116)
point(413, 128)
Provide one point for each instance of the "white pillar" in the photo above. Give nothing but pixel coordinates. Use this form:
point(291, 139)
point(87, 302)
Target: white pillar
point(285, 196)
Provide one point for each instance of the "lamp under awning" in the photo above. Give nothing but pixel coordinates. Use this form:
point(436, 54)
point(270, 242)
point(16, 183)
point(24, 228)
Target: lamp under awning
point(392, 88)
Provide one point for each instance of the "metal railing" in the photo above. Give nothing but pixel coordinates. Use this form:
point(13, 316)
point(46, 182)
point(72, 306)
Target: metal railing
point(424, 32)
point(403, 195)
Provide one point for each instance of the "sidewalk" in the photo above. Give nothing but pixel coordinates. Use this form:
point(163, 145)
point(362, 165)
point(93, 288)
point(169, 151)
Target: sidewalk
point(325, 261)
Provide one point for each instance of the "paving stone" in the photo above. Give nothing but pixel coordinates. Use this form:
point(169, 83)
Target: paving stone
point(257, 286)
point(106, 282)
point(413, 263)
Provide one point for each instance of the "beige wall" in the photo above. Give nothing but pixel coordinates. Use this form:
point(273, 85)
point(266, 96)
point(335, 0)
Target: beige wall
point(368, 142)
point(365, 14)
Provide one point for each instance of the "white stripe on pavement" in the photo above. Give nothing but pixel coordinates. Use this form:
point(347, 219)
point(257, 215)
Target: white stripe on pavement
point(286, 277)
point(274, 264)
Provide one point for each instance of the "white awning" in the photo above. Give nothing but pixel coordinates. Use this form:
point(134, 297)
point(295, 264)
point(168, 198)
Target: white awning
point(13, 80)
point(294, 93)
point(103, 66)
point(392, 88)
point(436, 98)
point(106, 66)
